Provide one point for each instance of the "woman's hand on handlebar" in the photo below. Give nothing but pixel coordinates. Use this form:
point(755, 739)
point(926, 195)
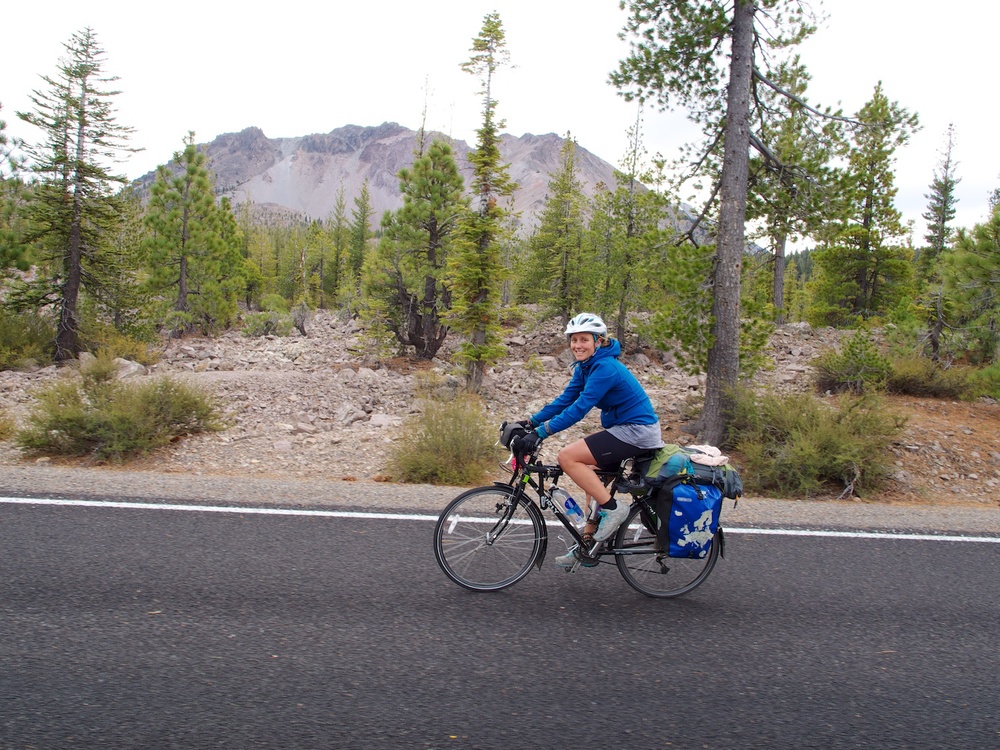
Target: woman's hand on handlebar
point(526, 444)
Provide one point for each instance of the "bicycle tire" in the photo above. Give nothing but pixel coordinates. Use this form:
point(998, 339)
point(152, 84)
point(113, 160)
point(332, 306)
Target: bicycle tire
point(656, 575)
point(476, 553)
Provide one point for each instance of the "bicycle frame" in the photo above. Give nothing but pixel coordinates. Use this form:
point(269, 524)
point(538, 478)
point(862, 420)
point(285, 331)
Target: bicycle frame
point(488, 538)
point(523, 476)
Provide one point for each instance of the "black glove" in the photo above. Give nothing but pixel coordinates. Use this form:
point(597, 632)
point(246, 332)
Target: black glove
point(527, 424)
point(526, 444)
point(509, 432)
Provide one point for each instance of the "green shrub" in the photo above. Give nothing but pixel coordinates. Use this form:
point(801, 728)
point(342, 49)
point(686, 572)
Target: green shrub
point(177, 323)
point(512, 316)
point(450, 443)
point(7, 426)
point(798, 445)
point(534, 364)
point(25, 338)
point(919, 376)
point(100, 416)
point(106, 338)
point(377, 342)
point(267, 324)
point(274, 303)
point(985, 382)
point(857, 368)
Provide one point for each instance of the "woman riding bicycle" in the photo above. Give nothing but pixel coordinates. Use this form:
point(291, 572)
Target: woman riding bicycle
point(630, 424)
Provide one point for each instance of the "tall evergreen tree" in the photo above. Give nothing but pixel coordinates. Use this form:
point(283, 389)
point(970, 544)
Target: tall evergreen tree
point(679, 56)
point(941, 202)
point(792, 182)
point(317, 265)
point(339, 234)
point(193, 267)
point(122, 298)
point(865, 269)
point(12, 197)
point(72, 211)
point(476, 269)
point(624, 233)
point(971, 273)
point(939, 215)
point(408, 270)
point(360, 231)
point(558, 274)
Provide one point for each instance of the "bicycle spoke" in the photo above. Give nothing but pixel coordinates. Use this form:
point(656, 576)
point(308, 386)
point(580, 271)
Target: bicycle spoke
point(488, 538)
point(653, 573)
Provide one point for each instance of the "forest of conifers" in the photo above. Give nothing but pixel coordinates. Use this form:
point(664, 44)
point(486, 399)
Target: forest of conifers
point(87, 262)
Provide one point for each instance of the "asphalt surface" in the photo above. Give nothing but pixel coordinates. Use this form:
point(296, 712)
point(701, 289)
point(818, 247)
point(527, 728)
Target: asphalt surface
point(123, 628)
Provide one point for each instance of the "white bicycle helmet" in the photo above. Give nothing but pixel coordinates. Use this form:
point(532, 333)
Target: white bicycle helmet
point(587, 323)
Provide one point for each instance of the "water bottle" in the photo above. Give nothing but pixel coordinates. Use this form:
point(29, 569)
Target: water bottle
point(562, 498)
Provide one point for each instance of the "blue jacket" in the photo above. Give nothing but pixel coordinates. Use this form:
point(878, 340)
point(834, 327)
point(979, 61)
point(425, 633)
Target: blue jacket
point(600, 381)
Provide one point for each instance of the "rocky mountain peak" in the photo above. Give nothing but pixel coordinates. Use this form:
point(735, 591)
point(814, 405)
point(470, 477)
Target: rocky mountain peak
point(302, 176)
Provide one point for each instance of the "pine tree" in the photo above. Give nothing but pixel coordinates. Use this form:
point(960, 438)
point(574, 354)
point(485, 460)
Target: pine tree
point(121, 296)
point(360, 231)
point(865, 269)
point(971, 273)
point(407, 272)
point(624, 233)
point(12, 197)
point(941, 201)
point(939, 215)
point(476, 270)
point(317, 264)
point(559, 274)
point(675, 59)
point(193, 268)
point(339, 233)
point(792, 182)
point(72, 211)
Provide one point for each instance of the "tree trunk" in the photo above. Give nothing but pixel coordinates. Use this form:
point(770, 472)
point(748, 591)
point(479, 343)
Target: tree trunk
point(67, 338)
point(724, 356)
point(779, 279)
point(67, 330)
point(182, 287)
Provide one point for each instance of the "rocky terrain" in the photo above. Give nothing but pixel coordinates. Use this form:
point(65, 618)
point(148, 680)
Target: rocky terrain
point(310, 408)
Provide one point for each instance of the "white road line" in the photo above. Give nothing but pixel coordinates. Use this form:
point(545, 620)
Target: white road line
point(425, 517)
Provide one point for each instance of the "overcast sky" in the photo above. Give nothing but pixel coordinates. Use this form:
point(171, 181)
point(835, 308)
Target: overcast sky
point(295, 67)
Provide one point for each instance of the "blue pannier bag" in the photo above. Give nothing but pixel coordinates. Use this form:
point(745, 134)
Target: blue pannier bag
point(692, 513)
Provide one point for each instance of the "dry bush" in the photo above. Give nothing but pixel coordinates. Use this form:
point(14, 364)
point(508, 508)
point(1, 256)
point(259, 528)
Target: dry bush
point(100, 416)
point(450, 443)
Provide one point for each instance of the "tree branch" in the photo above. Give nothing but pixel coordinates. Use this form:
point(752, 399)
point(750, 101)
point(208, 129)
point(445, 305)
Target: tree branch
point(798, 100)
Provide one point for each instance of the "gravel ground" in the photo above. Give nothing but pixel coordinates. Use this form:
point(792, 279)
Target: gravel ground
point(312, 428)
point(120, 485)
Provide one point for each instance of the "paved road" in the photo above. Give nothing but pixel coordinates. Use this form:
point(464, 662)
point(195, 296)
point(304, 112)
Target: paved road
point(163, 629)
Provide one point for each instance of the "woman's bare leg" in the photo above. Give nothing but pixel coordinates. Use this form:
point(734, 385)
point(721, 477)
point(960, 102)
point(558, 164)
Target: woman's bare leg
point(578, 463)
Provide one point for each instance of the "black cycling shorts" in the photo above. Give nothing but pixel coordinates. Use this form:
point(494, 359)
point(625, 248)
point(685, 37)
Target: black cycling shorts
point(608, 450)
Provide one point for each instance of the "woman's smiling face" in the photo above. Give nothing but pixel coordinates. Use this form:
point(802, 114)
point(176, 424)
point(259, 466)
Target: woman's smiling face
point(582, 345)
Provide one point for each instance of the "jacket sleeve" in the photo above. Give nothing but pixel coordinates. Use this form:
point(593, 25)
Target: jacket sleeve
point(580, 401)
point(564, 399)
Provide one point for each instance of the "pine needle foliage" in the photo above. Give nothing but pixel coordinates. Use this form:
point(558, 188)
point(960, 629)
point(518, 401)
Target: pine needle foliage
point(859, 367)
point(24, 337)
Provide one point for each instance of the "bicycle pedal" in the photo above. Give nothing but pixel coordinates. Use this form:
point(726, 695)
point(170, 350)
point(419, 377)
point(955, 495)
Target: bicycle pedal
point(586, 560)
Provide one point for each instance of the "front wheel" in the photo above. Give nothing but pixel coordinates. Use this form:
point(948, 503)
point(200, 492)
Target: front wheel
point(486, 539)
point(653, 573)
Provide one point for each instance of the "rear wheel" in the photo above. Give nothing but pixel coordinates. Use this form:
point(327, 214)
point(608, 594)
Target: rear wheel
point(654, 573)
point(486, 540)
